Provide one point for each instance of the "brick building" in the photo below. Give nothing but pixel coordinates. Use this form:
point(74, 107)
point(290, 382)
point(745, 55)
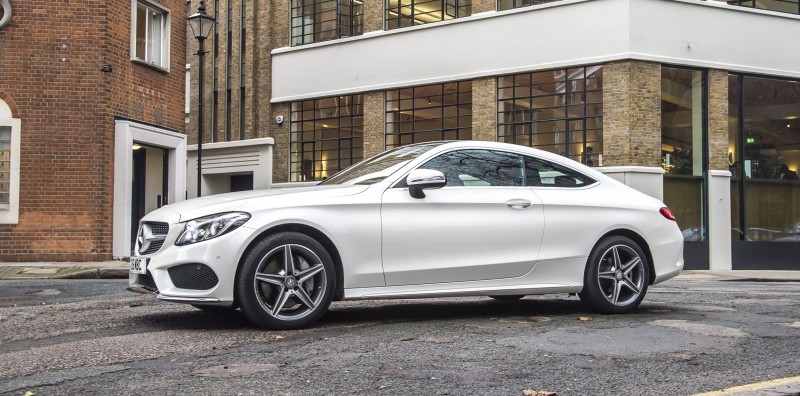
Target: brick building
point(92, 118)
point(698, 90)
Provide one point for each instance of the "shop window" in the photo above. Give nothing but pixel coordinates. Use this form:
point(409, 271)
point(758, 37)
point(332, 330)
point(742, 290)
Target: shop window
point(429, 113)
point(327, 135)
point(314, 21)
point(683, 132)
point(560, 111)
point(764, 157)
point(405, 13)
point(150, 34)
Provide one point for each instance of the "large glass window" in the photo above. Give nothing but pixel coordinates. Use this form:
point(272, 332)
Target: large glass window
point(314, 21)
point(405, 13)
point(5, 165)
point(682, 148)
point(151, 34)
point(327, 135)
point(560, 111)
point(790, 6)
point(509, 4)
point(764, 147)
point(479, 168)
point(428, 113)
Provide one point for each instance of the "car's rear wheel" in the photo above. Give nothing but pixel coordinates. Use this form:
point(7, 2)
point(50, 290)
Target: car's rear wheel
point(508, 298)
point(286, 282)
point(616, 277)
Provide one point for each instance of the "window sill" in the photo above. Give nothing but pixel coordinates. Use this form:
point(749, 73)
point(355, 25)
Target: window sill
point(5, 208)
point(150, 65)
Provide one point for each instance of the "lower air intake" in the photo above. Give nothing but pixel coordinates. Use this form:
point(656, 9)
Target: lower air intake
point(193, 276)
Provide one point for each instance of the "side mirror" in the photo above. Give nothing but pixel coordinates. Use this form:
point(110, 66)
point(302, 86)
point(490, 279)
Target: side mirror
point(423, 179)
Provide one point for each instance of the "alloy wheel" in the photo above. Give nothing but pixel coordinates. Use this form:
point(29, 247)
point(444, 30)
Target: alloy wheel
point(621, 275)
point(290, 282)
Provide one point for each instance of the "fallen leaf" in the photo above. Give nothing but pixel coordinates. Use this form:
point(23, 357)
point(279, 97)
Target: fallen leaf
point(531, 392)
point(584, 318)
point(279, 337)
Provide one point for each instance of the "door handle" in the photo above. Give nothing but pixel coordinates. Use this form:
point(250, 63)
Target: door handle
point(518, 203)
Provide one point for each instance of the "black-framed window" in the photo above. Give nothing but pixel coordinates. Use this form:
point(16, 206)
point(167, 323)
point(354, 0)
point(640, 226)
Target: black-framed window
point(428, 113)
point(327, 135)
point(314, 21)
point(560, 111)
point(405, 13)
point(789, 6)
point(684, 136)
point(509, 4)
point(764, 158)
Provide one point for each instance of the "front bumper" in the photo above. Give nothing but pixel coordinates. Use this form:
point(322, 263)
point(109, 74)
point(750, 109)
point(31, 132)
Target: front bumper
point(219, 255)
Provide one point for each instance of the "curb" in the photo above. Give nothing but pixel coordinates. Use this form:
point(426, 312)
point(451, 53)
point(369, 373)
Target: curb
point(29, 273)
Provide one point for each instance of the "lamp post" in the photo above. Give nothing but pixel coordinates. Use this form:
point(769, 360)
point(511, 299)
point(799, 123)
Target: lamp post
point(201, 24)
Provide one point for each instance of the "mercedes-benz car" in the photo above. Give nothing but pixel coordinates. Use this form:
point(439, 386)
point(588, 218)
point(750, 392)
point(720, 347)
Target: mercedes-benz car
point(436, 219)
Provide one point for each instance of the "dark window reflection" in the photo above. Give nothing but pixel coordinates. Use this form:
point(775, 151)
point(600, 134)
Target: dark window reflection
point(479, 168)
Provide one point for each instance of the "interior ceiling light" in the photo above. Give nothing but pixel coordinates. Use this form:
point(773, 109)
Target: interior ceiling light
point(136, 146)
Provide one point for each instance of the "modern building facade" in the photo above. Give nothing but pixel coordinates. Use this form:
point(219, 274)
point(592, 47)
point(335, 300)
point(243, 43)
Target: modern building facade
point(706, 91)
point(91, 124)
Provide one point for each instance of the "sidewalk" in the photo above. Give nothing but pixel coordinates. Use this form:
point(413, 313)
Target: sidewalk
point(119, 270)
point(65, 270)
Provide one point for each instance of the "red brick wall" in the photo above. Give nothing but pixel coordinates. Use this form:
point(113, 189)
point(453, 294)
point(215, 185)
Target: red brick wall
point(51, 55)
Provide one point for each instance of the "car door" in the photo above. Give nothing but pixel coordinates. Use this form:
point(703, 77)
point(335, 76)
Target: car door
point(484, 224)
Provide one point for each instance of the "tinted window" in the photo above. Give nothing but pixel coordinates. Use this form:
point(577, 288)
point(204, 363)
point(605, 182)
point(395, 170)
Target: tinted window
point(479, 168)
point(539, 172)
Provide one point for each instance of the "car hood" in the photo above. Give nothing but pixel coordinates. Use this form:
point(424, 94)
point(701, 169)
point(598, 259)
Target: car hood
point(248, 201)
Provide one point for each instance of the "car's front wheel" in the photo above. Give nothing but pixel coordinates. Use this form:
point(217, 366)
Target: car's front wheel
point(286, 282)
point(616, 277)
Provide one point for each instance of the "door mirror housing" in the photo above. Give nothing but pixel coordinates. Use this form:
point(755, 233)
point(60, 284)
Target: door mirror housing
point(424, 179)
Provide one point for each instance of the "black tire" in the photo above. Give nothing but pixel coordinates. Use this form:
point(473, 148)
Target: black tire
point(276, 298)
point(616, 277)
point(508, 298)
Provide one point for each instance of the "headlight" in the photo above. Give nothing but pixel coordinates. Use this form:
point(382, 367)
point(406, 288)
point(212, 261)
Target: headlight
point(209, 227)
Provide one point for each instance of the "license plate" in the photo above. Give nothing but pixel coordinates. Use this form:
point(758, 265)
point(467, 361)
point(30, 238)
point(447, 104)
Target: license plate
point(139, 265)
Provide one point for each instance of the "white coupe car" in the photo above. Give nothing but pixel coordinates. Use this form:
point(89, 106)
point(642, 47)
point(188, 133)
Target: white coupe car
point(435, 219)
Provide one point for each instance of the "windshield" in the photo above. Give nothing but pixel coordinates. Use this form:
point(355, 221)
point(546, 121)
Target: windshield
point(377, 168)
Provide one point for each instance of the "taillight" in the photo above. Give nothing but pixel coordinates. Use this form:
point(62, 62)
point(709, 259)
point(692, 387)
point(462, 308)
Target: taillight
point(667, 213)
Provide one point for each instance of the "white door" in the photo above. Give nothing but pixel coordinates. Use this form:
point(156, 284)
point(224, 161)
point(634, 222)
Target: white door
point(485, 224)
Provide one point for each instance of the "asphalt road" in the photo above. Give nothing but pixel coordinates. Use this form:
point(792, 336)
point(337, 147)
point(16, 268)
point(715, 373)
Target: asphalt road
point(690, 335)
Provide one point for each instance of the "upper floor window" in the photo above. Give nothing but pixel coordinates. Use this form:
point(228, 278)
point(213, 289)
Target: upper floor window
point(560, 111)
point(314, 21)
point(790, 6)
point(405, 13)
point(429, 113)
point(150, 34)
point(509, 4)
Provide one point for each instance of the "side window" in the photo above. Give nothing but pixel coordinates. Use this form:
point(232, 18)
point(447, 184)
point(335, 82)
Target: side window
point(479, 168)
point(543, 173)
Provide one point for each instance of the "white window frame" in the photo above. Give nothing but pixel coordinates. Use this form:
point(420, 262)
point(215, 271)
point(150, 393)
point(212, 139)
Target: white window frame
point(9, 213)
point(165, 34)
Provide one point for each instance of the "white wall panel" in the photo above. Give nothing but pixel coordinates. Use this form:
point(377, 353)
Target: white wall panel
point(565, 33)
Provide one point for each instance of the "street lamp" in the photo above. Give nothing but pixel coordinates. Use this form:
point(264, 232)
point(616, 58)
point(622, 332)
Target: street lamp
point(201, 24)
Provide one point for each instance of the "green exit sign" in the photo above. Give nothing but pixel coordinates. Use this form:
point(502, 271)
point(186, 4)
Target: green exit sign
point(751, 140)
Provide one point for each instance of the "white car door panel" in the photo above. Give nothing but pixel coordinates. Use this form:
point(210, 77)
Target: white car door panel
point(460, 234)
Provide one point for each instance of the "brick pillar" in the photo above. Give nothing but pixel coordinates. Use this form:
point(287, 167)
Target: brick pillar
point(373, 16)
point(632, 114)
point(280, 153)
point(483, 5)
point(718, 119)
point(484, 109)
point(374, 124)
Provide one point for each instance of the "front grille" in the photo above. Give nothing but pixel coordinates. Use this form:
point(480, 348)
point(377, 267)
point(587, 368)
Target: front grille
point(156, 229)
point(193, 276)
point(147, 282)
